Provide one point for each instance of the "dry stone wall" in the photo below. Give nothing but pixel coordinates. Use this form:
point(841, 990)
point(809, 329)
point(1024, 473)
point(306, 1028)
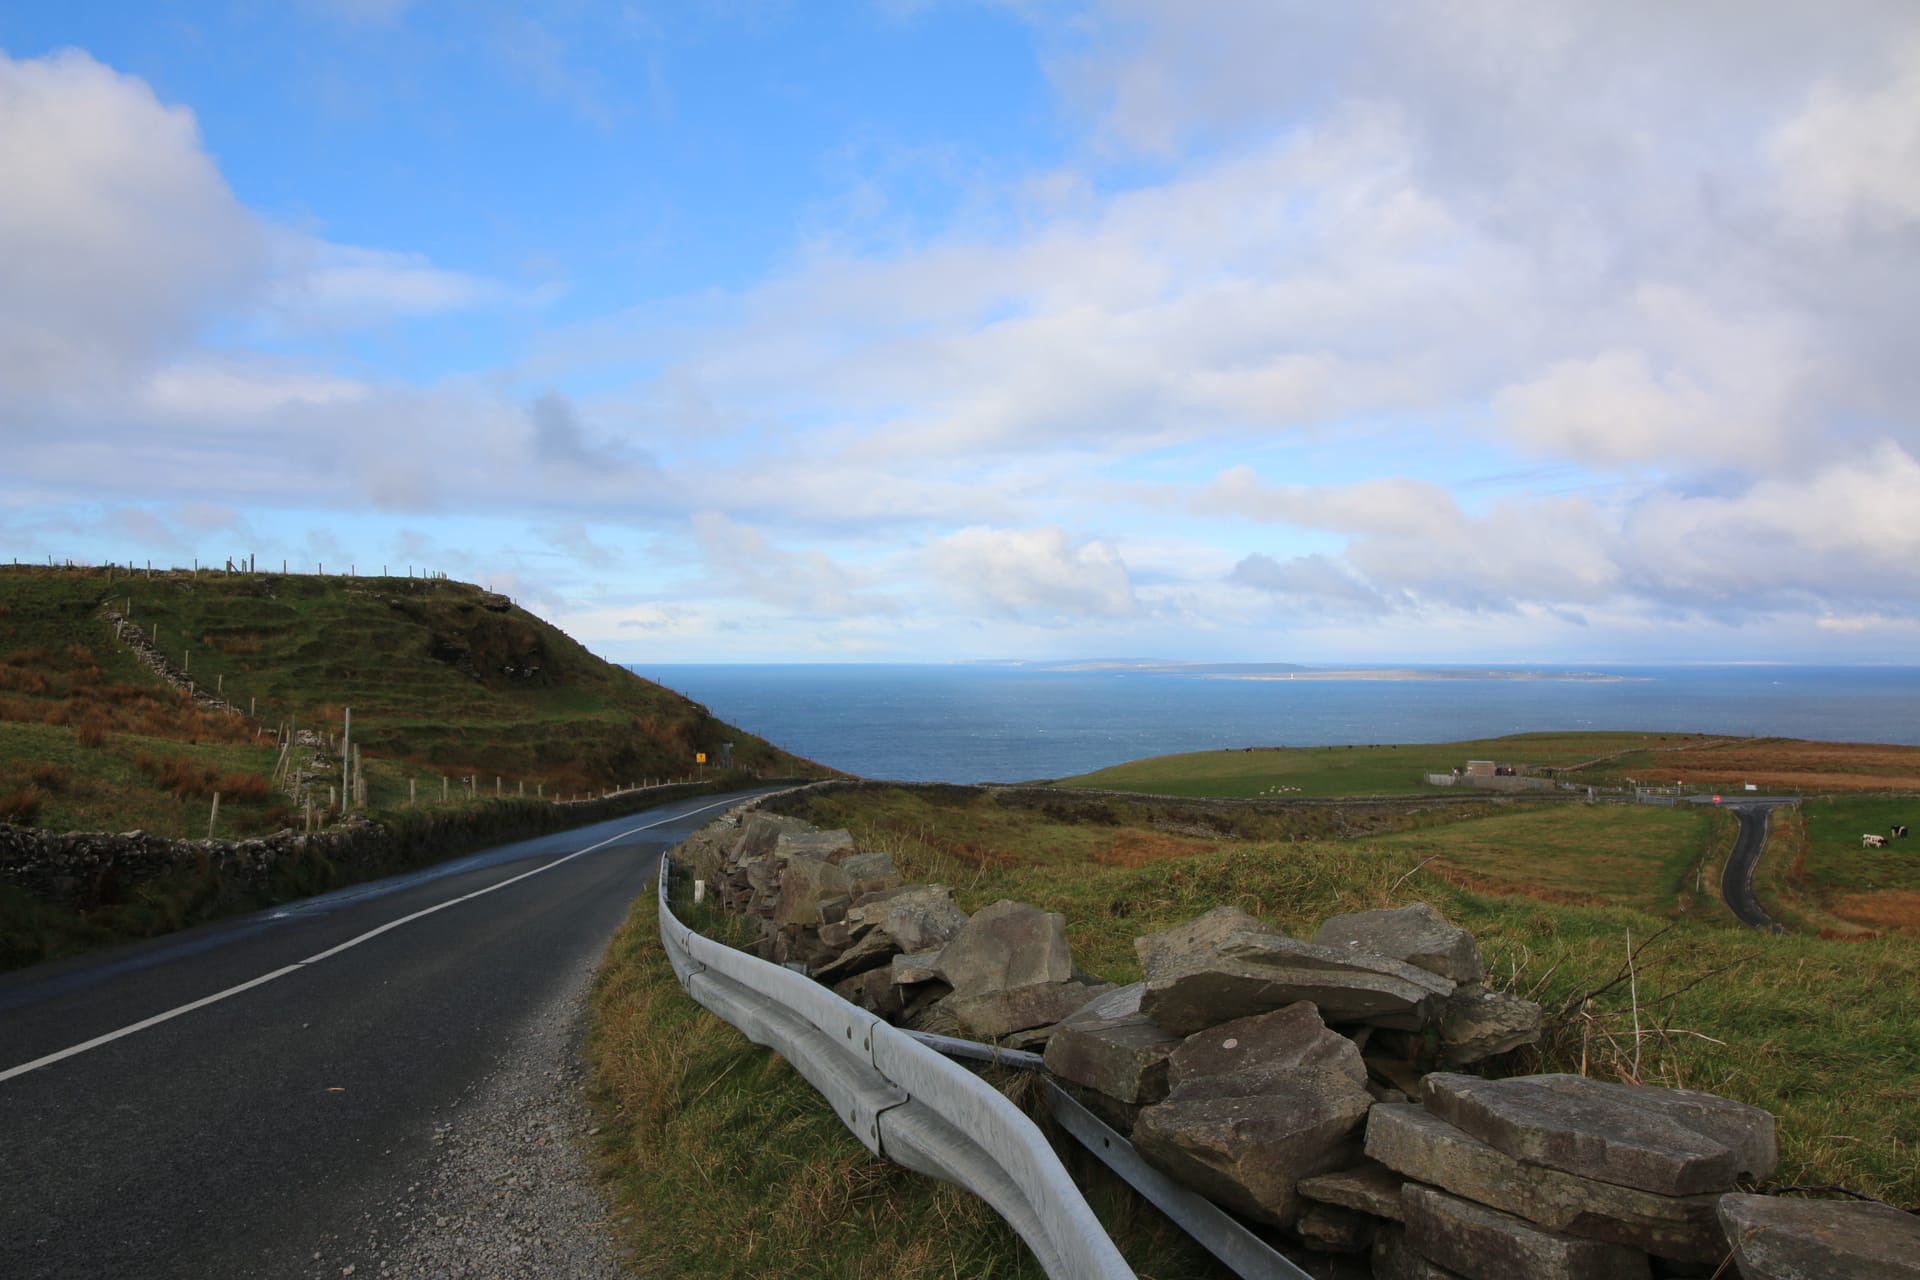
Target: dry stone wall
point(82, 869)
point(1312, 1087)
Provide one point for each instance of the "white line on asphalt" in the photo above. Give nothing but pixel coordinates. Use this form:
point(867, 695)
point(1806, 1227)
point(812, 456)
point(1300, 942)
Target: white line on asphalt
point(330, 952)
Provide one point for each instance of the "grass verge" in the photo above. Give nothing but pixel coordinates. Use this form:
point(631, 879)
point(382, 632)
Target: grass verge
point(692, 1113)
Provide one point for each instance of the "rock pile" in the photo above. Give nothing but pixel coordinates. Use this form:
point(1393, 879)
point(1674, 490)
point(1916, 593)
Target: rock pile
point(905, 952)
point(1306, 1085)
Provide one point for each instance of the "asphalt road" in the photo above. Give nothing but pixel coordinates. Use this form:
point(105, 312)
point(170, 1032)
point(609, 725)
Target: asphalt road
point(233, 1138)
point(1736, 880)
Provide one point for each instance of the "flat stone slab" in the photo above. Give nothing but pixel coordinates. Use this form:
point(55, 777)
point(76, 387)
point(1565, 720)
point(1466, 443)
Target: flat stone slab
point(1004, 946)
point(921, 966)
point(1394, 1259)
point(990, 1015)
point(1594, 1133)
point(762, 830)
point(1250, 1153)
point(1332, 1229)
point(920, 917)
point(811, 843)
point(1370, 1187)
point(1415, 933)
point(805, 885)
point(1225, 966)
point(1121, 1002)
point(1413, 1142)
point(1746, 1130)
point(1780, 1238)
point(1476, 1023)
point(874, 949)
point(1253, 1052)
point(1486, 1244)
point(1124, 1057)
point(869, 872)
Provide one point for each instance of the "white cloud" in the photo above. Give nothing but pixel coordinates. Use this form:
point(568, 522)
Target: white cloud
point(119, 240)
point(322, 285)
point(241, 391)
point(745, 561)
point(1036, 575)
point(1851, 157)
point(1845, 538)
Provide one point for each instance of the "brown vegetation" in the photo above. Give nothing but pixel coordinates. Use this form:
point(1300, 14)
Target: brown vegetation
point(1789, 764)
point(1884, 908)
point(188, 780)
point(21, 805)
point(1138, 848)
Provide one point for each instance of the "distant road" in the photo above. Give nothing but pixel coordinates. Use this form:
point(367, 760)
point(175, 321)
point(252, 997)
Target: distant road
point(1736, 880)
point(256, 1086)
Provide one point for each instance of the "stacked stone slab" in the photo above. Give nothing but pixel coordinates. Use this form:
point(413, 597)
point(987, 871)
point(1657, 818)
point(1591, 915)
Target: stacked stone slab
point(1237, 1066)
point(1562, 1176)
point(905, 952)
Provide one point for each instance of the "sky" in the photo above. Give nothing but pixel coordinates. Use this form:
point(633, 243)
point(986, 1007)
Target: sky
point(1482, 331)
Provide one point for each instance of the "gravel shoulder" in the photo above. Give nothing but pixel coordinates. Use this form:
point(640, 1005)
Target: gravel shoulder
point(506, 1190)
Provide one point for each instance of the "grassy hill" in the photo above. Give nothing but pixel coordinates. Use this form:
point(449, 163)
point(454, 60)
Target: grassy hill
point(451, 689)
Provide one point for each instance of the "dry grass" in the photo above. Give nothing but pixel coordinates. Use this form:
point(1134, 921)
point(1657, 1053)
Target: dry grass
point(22, 805)
point(1138, 848)
point(1888, 909)
point(1789, 764)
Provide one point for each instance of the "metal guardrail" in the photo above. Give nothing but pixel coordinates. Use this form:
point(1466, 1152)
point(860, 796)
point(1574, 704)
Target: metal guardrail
point(901, 1099)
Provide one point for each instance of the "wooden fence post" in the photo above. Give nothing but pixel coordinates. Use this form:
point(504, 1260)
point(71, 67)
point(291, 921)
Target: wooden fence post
point(214, 816)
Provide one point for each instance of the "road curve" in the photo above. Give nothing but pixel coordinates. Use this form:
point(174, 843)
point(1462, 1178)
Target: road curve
point(293, 1091)
point(1736, 879)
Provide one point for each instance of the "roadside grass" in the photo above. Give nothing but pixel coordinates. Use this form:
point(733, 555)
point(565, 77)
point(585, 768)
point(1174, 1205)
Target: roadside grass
point(1824, 1033)
point(1374, 770)
point(723, 1162)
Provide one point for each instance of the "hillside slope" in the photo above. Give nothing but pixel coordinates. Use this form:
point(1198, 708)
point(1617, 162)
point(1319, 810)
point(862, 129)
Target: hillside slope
point(447, 684)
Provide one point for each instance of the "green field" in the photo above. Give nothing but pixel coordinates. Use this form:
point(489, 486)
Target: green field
point(1647, 857)
point(1369, 770)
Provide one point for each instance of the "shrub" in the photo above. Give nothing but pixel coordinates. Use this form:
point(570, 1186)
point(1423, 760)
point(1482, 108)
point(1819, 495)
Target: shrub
point(50, 776)
point(22, 805)
point(93, 732)
point(242, 788)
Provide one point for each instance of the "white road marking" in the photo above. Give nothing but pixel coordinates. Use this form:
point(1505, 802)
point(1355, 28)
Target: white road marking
point(330, 952)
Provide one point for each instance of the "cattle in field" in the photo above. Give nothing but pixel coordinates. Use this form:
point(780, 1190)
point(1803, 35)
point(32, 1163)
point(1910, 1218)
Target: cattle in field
point(1873, 842)
point(1899, 832)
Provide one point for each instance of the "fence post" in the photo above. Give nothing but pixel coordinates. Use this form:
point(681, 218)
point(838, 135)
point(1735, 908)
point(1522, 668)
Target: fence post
point(214, 816)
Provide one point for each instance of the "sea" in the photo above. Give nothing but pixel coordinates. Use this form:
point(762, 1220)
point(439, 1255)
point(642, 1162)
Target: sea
point(1009, 722)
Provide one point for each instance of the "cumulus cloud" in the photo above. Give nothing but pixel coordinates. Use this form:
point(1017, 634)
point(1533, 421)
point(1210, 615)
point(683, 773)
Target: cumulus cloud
point(1845, 539)
point(1851, 157)
point(119, 240)
point(1037, 575)
point(746, 561)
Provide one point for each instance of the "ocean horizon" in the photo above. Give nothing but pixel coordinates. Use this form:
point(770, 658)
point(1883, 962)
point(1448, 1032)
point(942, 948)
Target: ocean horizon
point(1016, 722)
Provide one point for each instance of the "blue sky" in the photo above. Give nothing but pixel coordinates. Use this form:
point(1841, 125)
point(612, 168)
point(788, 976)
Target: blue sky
point(1257, 330)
